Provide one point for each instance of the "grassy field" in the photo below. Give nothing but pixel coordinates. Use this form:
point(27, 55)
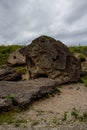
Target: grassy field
point(78, 49)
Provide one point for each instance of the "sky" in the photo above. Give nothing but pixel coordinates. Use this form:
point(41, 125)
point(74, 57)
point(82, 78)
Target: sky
point(21, 21)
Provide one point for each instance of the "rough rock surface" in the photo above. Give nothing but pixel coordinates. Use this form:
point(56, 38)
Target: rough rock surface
point(84, 68)
point(8, 74)
point(21, 94)
point(47, 57)
point(16, 58)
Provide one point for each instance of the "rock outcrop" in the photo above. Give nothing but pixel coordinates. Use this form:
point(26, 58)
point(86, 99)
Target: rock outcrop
point(16, 58)
point(17, 64)
point(8, 74)
point(23, 93)
point(46, 57)
point(49, 63)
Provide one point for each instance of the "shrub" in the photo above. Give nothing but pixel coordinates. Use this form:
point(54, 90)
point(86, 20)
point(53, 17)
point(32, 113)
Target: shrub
point(85, 116)
point(13, 100)
point(78, 49)
point(82, 57)
point(21, 69)
point(64, 116)
point(84, 79)
point(74, 113)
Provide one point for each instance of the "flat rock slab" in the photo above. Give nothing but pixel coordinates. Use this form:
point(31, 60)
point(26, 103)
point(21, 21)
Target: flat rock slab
point(21, 94)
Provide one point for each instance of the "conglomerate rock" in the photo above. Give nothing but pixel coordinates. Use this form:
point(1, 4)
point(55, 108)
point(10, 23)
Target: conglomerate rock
point(46, 57)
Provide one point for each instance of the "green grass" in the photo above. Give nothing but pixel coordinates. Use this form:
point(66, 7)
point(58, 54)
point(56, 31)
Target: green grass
point(78, 49)
point(21, 69)
point(77, 116)
point(48, 95)
point(84, 79)
point(13, 100)
point(82, 57)
point(6, 118)
point(5, 51)
point(64, 116)
point(85, 116)
point(74, 114)
point(10, 118)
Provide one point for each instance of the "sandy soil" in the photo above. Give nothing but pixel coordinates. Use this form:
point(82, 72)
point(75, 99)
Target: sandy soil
point(54, 113)
point(72, 96)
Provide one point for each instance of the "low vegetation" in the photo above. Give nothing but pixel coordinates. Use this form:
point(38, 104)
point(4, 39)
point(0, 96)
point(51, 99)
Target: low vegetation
point(77, 116)
point(48, 95)
point(74, 113)
point(82, 57)
point(10, 118)
point(84, 79)
point(21, 69)
point(13, 100)
point(17, 120)
point(79, 49)
point(6, 118)
point(64, 116)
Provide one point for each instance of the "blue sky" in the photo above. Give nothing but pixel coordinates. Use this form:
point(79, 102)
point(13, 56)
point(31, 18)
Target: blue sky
point(23, 20)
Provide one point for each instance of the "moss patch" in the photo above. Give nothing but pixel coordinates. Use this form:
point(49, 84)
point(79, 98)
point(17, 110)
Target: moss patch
point(21, 69)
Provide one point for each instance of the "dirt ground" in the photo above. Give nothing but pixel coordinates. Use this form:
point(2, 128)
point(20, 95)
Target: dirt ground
point(64, 111)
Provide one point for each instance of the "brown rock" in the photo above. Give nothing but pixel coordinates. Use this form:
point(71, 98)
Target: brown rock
point(22, 93)
point(16, 58)
point(47, 57)
point(8, 74)
point(25, 76)
point(84, 65)
point(84, 68)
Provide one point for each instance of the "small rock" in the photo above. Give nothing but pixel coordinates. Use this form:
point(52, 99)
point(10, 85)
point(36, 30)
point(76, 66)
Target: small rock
point(16, 58)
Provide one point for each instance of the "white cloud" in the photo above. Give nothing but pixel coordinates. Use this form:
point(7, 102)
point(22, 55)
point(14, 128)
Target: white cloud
point(23, 20)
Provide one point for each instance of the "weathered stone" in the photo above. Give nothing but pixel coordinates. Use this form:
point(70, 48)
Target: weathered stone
point(16, 58)
point(22, 93)
point(46, 57)
point(84, 68)
point(25, 76)
point(8, 74)
point(84, 65)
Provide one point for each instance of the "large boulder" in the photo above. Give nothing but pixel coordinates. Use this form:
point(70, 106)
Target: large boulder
point(23, 93)
point(17, 57)
point(46, 57)
point(8, 74)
